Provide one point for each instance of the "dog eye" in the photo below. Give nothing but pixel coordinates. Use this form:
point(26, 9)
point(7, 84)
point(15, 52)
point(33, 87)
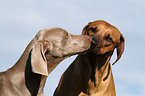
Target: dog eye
point(109, 39)
point(66, 36)
point(93, 29)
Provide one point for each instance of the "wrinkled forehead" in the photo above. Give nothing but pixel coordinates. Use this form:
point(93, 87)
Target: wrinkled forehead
point(106, 29)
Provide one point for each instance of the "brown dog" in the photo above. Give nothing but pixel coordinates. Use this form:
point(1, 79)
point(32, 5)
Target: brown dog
point(91, 73)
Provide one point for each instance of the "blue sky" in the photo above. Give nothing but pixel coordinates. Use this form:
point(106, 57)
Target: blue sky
point(20, 20)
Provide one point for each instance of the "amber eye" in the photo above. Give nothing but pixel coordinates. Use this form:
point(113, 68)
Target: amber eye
point(109, 39)
point(66, 36)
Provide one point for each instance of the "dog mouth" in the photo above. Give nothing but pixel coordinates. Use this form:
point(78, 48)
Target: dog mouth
point(93, 51)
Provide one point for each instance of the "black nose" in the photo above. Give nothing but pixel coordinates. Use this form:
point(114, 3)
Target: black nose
point(94, 42)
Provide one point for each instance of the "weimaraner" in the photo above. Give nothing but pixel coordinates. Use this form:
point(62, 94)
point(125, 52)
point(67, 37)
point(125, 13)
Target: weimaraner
point(90, 74)
point(48, 48)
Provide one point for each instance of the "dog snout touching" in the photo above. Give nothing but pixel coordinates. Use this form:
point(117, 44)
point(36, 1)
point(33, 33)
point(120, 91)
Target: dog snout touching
point(89, 38)
point(94, 48)
point(94, 42)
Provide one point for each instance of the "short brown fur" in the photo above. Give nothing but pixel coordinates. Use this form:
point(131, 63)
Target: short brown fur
point(90, 74)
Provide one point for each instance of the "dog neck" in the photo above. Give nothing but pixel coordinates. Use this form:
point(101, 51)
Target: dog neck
point(52, 62)
point(100, 75)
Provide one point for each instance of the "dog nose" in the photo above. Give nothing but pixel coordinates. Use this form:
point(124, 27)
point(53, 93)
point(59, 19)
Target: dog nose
point(94, 42)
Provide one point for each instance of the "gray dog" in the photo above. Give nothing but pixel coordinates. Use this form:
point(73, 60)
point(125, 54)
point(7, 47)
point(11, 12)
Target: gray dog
point(48, 48)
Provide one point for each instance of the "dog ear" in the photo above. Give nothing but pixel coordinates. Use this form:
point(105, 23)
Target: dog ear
point(120, 48)
point(84, 32)
point(38, 60)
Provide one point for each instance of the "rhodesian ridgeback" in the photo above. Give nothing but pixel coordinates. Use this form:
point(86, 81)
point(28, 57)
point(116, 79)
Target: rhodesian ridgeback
point(90, 74)
point(48, 48)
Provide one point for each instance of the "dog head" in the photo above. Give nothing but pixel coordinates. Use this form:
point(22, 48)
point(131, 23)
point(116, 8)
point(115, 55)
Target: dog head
point(106, 38)
point(58, 44)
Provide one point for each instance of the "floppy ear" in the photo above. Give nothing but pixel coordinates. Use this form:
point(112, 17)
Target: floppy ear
point(85, 29)
point(38, 60)
point(120, 48)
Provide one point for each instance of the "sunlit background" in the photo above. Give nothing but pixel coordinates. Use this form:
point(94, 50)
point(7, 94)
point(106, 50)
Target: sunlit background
point(20, 20)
